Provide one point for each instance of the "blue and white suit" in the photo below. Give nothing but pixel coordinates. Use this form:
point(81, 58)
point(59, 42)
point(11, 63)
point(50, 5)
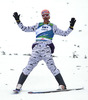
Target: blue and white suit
point(41, 48)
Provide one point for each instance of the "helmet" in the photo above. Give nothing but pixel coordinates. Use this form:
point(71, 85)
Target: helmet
point(45, 11)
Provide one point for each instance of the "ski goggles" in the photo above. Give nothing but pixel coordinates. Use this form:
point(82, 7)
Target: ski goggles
point(45, 15)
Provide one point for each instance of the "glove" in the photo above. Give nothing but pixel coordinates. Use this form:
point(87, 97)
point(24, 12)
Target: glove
point(72, 22)
point(17, 17)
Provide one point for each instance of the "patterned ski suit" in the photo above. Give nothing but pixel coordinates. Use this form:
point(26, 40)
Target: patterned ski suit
point(43, 47)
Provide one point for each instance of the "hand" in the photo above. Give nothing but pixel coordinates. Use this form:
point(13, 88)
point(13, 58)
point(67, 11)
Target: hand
point(72, 22)
point(17, 17)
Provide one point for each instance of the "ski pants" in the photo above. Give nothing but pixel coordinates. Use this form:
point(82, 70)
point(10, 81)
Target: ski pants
point(41, 51)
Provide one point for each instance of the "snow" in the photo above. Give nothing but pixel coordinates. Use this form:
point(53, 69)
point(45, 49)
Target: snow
point(71, 53)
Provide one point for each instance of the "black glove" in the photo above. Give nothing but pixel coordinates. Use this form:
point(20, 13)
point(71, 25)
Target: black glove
point(17, 17)
point(72, 22)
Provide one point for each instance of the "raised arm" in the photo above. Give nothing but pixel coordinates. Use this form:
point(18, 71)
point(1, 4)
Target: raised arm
point(21, 26)
point(58, 31)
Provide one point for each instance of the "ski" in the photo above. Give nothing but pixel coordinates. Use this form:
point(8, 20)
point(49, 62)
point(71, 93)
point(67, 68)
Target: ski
point(53, 91)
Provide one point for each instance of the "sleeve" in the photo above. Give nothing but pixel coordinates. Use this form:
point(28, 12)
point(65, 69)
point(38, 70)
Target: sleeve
point(58, 31)
point(28, 28)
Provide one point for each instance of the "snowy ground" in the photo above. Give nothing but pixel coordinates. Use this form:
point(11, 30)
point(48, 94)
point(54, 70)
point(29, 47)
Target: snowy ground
point(71, 52)
point(75, 75)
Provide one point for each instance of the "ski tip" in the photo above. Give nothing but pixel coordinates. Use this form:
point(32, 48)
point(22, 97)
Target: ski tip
point(30, 92)
point(80, 88)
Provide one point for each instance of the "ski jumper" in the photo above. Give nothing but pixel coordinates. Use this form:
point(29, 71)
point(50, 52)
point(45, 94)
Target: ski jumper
point(43, 47)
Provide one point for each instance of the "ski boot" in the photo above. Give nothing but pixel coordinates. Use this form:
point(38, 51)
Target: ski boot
point(18, 89)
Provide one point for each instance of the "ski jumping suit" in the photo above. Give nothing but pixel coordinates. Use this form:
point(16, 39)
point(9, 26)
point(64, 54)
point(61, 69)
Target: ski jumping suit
point(42, 48)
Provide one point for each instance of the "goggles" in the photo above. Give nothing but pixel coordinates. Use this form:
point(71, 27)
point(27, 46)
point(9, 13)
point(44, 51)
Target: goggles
point(45, 15)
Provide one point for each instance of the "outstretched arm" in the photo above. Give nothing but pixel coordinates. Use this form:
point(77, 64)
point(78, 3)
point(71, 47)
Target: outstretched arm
point(24, 28)
point(27, 28)
point(58, 31)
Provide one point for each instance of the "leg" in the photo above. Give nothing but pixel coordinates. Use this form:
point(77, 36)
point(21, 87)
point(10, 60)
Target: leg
point(50, 63)
point(55, 72)
point(33, 61)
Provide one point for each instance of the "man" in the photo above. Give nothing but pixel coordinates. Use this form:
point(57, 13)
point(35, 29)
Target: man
point(43, 48)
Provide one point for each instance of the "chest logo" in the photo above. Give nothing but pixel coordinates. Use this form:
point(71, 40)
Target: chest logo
point(42, 29)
